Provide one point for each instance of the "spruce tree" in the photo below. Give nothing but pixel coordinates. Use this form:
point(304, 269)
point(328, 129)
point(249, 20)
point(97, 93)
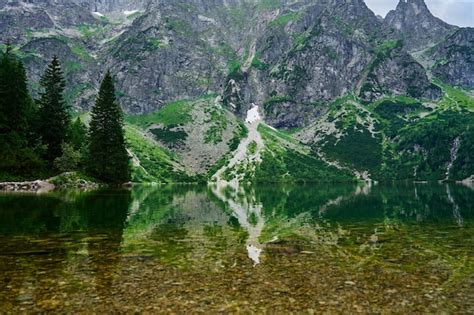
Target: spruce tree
point(108, 159)
point(77, 134)
point(17, 113)
point(54, 112)
point(15, 101)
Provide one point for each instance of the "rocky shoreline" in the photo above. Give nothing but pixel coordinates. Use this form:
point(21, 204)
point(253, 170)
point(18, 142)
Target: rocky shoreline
point(63, 181)
point(37, 186)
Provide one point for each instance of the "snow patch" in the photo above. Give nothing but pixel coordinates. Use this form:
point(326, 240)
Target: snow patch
point(127, 13)
point(98, 14)
point(254, 254)
point(253, 115)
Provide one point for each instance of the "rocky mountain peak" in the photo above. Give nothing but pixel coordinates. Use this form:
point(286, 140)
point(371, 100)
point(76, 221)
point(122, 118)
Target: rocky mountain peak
point(413, 6)
point(416, 24)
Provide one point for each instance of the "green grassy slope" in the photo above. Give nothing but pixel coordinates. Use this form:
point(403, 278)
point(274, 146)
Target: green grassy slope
point(400, 138)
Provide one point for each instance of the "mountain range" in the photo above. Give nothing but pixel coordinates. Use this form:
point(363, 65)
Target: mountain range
point(266, 90)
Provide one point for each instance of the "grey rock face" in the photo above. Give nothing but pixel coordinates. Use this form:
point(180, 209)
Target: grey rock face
point(416, 25)
point(39, 52)
point(454, 58)
point(394, 71)
point(108, 6)
point(18, 19)
point(289, 57)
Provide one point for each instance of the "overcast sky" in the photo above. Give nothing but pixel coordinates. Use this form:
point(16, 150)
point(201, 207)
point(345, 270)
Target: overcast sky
point(457, 12)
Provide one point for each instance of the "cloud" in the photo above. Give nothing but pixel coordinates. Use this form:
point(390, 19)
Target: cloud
point(457, 12)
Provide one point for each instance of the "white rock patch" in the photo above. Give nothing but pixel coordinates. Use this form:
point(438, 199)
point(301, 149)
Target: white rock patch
point(253, 115)
point(127, 13)
point(207, 19)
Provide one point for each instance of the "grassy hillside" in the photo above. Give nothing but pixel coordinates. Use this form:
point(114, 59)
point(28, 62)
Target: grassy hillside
point(399, 137)
point(198, 133)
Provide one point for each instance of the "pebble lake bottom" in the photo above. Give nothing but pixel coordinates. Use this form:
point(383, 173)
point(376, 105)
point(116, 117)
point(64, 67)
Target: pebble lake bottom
point(342, 248)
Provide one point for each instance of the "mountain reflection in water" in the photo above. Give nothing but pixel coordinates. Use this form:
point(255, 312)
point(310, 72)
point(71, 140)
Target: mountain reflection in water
point(222, 248)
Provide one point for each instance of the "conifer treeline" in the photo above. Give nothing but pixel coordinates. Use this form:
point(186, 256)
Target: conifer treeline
point(39, 139)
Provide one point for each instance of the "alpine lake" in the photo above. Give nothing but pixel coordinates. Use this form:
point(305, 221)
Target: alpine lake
point(336, 248)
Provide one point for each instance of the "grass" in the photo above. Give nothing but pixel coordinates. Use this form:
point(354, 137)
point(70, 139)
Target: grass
point(252, 147)
point(284, 19)
point(258, 64)
point(155, 43)
point(173, 114)
point(265, 5)
point(234, 66)
point(281, 163)
point(455, 96)
point(156, 163)
point(218, 121)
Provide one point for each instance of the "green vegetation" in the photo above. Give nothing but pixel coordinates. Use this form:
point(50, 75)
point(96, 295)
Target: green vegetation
point(425, 147)
point(382, 52)
point(240, 133)
point(292, 163)
point(107, 157)
point(19, 140)
point(401, 138)
point(252, 147)
point(168, 136)
point(73, 93)
point(345, 27)
point(152, 163)
point(258, 64)
point(53, 111)
point(455, 96)
point(284, 19)
point(386, 47)
point(172, 114)
point(234, 68)
point(265, 5)
point(358, 148)
point(43, 141)
point(179, 26)
point(268, 104)
point(155, 43)
point(394, 113)
point(218, 121)
point(87, 31)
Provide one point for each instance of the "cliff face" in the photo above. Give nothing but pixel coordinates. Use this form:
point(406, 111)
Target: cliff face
point(416, 25)
point(289, 57)
point(454, 58)
point(109, 6)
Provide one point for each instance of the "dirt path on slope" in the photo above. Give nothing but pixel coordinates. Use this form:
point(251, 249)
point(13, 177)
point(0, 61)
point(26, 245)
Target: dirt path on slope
point(242, 154)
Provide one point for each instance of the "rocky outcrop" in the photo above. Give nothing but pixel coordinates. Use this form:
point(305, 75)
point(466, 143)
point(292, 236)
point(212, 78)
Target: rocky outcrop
point(291, 58)
point(454, 59)
point(108, 6)
point(393, 71)
point(36, 186)
point(414, 23)
point(70, 180)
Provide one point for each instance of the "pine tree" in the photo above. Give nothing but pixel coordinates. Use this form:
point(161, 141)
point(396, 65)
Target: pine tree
point(108, 159)
point(54, 112)
point(77, 134)
point(15, 101)
point(17, 113)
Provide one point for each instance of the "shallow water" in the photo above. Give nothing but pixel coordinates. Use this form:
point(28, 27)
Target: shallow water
point(333, 248)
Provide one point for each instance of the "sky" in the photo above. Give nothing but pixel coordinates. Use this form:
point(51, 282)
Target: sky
point(456, 12)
